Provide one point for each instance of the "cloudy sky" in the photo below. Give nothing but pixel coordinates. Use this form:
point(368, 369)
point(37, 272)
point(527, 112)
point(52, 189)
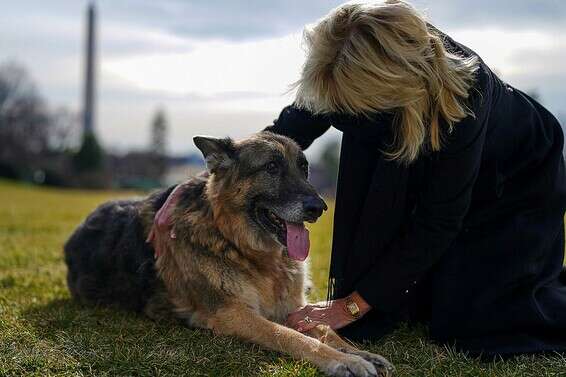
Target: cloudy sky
point(222, 67)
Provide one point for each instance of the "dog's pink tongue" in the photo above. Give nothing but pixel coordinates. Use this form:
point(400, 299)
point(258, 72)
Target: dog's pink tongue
point(297, 241)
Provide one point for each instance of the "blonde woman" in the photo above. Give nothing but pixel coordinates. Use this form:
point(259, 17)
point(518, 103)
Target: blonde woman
point(451, 190)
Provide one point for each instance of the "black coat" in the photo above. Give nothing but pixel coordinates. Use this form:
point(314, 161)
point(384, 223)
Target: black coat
point(469, 239)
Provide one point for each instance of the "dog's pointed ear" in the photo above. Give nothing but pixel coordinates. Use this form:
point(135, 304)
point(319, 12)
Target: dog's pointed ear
point(218, 153)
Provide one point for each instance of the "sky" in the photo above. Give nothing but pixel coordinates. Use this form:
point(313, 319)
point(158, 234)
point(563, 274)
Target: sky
point(224, 67)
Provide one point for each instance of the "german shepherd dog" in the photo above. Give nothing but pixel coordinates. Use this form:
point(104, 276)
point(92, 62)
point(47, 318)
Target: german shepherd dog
point(226, 252)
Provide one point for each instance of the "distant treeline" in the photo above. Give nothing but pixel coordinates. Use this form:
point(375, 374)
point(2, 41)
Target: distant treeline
point(46, 146)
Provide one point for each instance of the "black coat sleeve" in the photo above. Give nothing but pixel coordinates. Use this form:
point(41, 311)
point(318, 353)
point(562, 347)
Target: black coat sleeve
point(300, 125)
point(437, 219)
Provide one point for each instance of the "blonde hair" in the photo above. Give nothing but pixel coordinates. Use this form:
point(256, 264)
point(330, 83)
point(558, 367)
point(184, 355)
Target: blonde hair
point(363, 58)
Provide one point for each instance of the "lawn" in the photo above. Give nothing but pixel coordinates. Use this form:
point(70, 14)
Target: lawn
point(43, 332)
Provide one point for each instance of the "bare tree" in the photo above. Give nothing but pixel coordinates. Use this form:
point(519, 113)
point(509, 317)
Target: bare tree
point(159, 133)
point(33, 140)
point(158, 147)
point(24, 119)
point(64, 127)
point(330, 161)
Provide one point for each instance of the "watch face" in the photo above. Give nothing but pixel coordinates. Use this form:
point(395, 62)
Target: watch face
point(353, 308)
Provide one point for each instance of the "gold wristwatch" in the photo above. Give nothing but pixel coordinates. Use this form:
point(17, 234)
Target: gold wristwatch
point(352, 308)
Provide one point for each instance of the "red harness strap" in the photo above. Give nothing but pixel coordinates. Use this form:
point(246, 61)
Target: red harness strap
point(162, 231)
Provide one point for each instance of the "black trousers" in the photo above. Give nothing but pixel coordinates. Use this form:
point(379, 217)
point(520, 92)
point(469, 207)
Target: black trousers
point(480, 316)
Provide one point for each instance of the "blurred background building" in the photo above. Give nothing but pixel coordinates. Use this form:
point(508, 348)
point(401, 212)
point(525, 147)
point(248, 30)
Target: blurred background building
point(109, 94)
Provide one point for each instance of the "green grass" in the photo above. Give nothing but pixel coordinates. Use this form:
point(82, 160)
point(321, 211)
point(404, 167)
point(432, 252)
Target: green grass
point(43, 332)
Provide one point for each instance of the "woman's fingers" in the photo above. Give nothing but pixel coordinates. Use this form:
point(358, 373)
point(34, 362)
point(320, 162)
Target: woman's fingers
point(294, 317)
point(325, 313)
point(292, 321)
point(317, 315)
point(310, 320)
point(303, 326)
point(315, 312)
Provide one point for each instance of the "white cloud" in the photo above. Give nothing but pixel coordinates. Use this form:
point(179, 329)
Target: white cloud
point(499, 47)
point(270, 66)
point(155, 53)
point(215, 67)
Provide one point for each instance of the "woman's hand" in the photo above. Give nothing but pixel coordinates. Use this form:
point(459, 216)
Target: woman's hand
point(332, 313)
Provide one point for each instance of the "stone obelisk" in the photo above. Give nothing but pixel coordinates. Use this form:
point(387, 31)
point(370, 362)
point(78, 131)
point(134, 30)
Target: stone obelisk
point(90, 72)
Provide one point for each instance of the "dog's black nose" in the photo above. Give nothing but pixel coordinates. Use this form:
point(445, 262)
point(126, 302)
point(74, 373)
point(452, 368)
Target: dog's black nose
point(313, 207)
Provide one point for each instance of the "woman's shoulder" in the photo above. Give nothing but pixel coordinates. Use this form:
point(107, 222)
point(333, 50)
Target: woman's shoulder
point(483, 77)
point(453, 46)
point(469, 130)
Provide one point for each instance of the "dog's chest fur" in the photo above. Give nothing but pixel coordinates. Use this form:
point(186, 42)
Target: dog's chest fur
point(203, 270)
point(198, 283)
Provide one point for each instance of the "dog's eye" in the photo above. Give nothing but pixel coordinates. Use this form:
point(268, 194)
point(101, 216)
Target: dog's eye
point(272, 168)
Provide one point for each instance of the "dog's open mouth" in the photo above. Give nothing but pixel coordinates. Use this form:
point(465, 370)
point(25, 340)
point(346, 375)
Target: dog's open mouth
point(292, 235)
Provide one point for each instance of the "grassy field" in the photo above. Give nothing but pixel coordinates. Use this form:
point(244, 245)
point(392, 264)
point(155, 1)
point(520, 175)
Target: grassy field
point(43, 332)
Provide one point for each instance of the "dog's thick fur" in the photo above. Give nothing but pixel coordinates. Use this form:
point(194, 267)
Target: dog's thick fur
point(224, 270)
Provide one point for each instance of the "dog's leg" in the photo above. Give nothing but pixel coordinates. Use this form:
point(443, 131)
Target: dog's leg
point(328, 336)
point(246, 324)
point(158, 306)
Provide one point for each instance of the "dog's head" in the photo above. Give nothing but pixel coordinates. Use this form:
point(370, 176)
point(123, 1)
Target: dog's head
point(261, 187)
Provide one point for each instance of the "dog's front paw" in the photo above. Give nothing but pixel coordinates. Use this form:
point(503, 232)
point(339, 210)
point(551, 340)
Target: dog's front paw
point(383, 367)
point(350, 366)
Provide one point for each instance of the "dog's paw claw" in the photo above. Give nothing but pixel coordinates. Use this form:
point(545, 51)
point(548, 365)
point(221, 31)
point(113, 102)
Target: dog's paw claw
point(351, 366)
point(383, 367)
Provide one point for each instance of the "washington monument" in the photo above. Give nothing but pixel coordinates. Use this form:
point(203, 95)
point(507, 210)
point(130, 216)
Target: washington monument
point(90, 73)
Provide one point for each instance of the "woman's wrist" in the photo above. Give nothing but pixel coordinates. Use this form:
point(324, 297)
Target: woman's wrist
point(359, 302)
point(362, 304)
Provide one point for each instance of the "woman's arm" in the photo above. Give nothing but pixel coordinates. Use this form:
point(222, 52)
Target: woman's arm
point(437, 220)
point(300, 125)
